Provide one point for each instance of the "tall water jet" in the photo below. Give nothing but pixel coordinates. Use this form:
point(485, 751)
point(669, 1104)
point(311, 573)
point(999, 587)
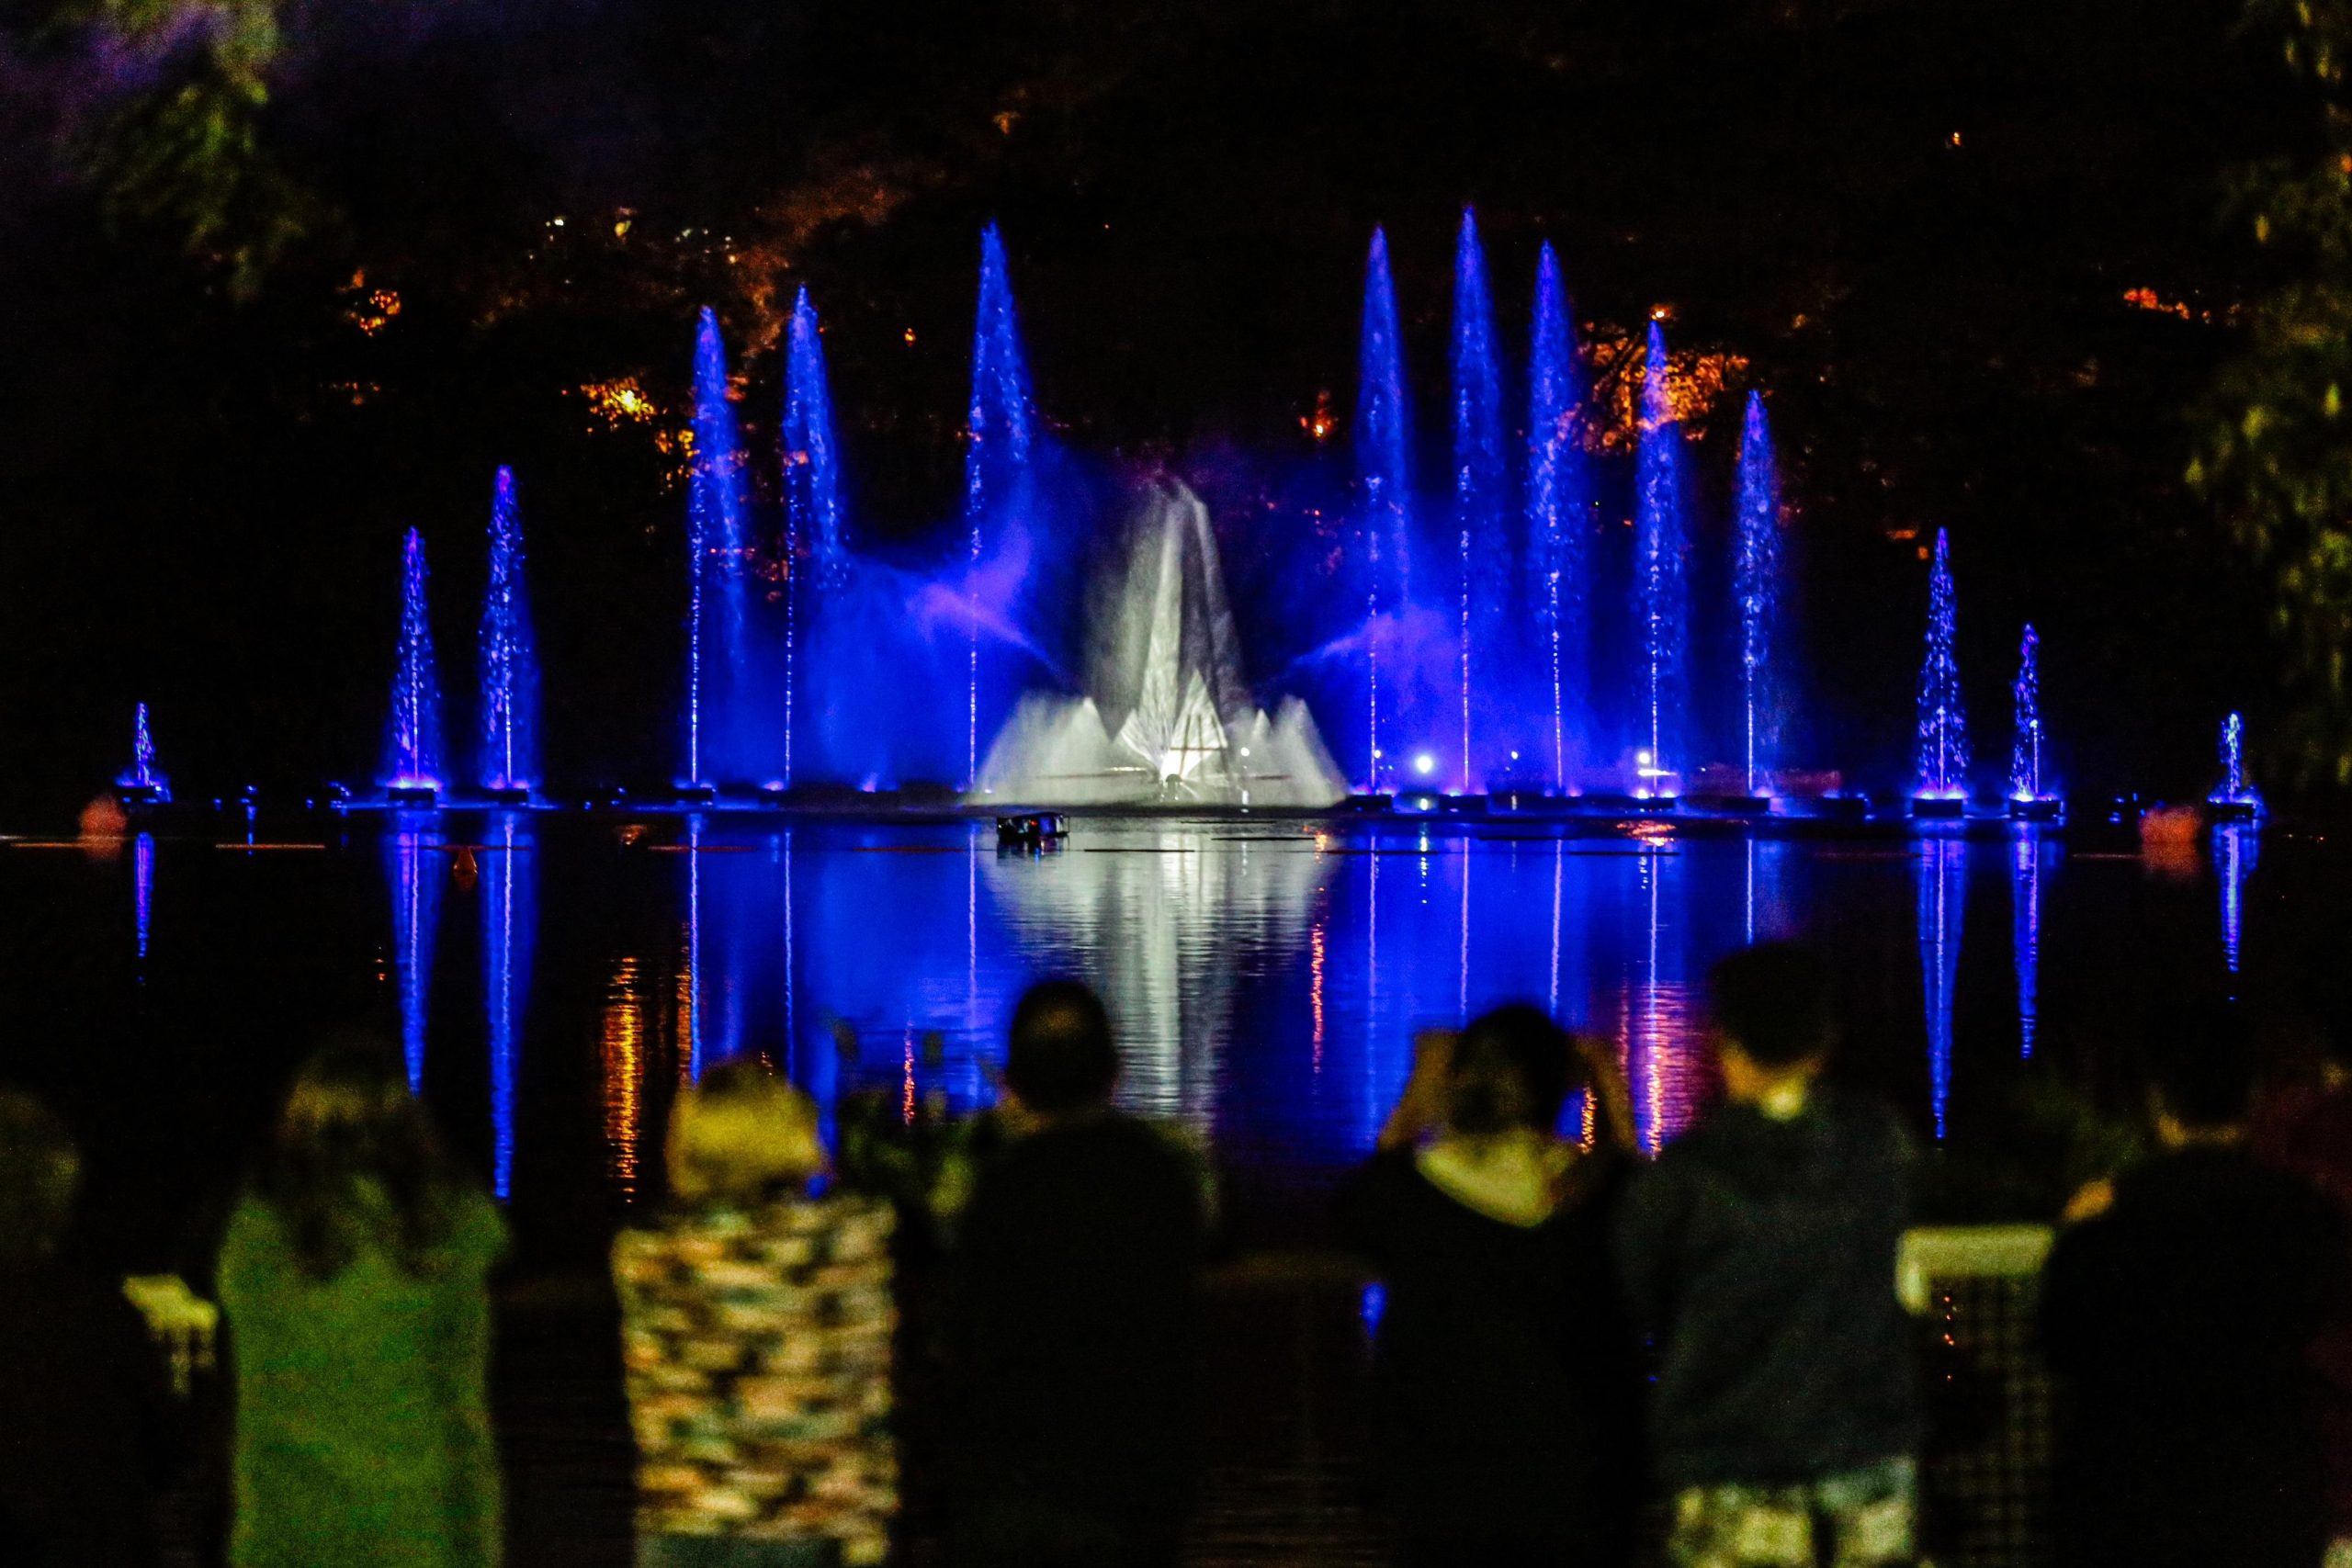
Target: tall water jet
point(510, 665)
point(510, 930)
point(716, 654)
point(416, 913)
point(142, 781)
point(1943, 896)
point(812, 495)
point(1558, 498)
point(1756, 585)
point(1478, 486)
point(2025, 897)
point(2234, 797)
point(413, 748)
point(1661, 594)
point(1942, 787)
point(2029, 782)
point(1383, 441)
point(1000, 479)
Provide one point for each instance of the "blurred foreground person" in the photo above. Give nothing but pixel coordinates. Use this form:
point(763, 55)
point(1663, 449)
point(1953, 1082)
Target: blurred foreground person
point(2178, 1310)
point(2306, 1128)
point(1760, 1252)
point(1076, 1277)
point(756, 1325)
point(1507, 1379)
point(83, 1402)
point(353, 1276)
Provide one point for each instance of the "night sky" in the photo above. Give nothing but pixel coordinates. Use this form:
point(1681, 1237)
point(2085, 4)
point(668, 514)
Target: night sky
point(1976, 256)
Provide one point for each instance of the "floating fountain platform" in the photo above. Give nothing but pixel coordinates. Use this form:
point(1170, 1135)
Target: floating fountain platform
point(414, 797)
point(2037, 808)
point(1367, 805)
point(2242, 809)
point(518, 795)
point(1939, 807)
point(1731, 805)
point(141, 796)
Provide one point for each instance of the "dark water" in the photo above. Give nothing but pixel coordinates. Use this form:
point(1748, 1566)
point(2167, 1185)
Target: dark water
point(555, 984)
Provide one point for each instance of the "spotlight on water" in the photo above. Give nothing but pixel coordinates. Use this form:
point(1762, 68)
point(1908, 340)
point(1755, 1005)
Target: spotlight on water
point(2234, 799)
point(1424, 764)
point(142, 783)
point(1661, 598)
point(412, 772)
point(1757, 584)
point(2029, 793)
point(1383, 443)
point(510, 670)
point(1942, 787)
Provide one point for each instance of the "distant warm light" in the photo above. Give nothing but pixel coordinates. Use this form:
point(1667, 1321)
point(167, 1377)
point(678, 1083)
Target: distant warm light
point(2145, 299)
point(1955, 139)
point(555, 223)
point(1320, 424)
point(1661, 313)
point(910, 336)
point(1695, 382)
point(1005, 120)
point(619, 402)
point(371, 310)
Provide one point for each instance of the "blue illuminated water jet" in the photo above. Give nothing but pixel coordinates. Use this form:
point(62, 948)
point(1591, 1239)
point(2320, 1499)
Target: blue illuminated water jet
point(1479, 500)
point(144, 776)
point(2237, 791)
point(2027, 782)
point(1943, 722)
point(1383, 443)
point(1943, 895)
point(999, 473)
point(1558, 498)
point(2025, 895)
point(1661, 595)
point(1756, 585)
point(510, 667)
point(718, 655)
point(415, 873)
point(414, 745)
point(142, 892)
point(510, 931)
point(812, 497)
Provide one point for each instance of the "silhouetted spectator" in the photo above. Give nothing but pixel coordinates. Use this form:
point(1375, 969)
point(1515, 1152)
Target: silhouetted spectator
point(756, 1326)
point(84, 1409)
point(353, 1278)
point(2307, 1128)
point(1507, 1377)
point(1076, 1280)
point(2178, 1309)
point(1759, 1251)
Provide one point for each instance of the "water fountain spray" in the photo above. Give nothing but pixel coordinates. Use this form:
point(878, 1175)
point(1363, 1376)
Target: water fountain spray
point(1557, 498)
point(715, 620)
point(998, 477)
point(414, 764)
point(1943, 723)
point(510, 675)
point(1756, 583)
point(1479, 481)
point(1662, 598)
point(812, 493)
point(1383, 442)
point(2027, 784)
point(2235, 795)
point(142, 781)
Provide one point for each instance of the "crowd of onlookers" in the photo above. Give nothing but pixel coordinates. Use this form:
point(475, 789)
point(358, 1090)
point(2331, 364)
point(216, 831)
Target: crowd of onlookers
point(1584, 1356)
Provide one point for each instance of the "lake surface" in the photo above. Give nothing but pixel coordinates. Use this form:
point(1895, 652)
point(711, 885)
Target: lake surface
point(553, 978)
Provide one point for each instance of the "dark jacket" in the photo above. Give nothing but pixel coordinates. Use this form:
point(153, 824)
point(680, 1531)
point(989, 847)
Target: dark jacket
point(1761, 1255)
point(1507, 1381)
point(1076, 1282)
point(84, 1415)
point(2178, 1322)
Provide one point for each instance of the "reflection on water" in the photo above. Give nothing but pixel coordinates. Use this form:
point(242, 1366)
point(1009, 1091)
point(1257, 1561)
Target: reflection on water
point(510, 928)
point(1944, 887)
point(142, 891)
point(1267, 979)
point(2025, 896)
point(2235, 848)
point(415, 874)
